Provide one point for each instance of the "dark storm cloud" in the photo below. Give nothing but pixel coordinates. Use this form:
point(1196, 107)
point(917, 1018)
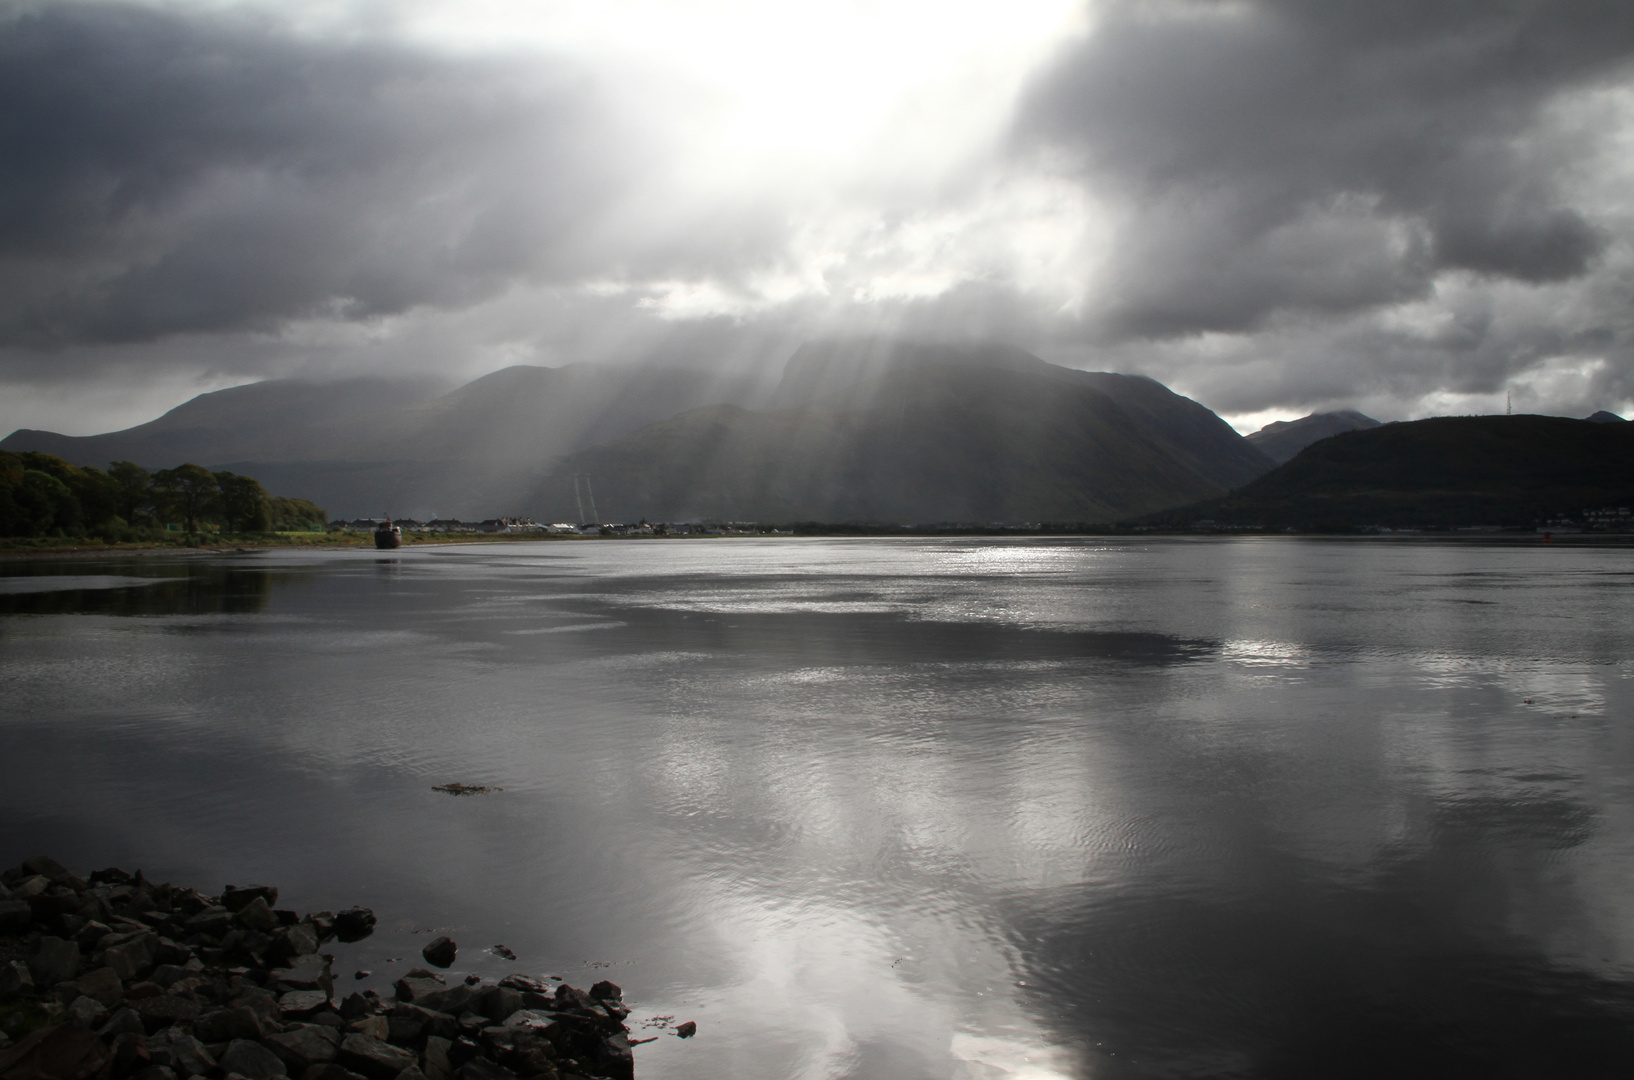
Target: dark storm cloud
point(1328, 155)
point(166, 174)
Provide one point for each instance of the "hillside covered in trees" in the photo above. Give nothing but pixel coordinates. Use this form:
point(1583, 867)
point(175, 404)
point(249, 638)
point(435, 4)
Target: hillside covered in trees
point(43, 495)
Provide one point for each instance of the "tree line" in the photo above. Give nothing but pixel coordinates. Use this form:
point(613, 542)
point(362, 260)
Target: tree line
point(43, 495)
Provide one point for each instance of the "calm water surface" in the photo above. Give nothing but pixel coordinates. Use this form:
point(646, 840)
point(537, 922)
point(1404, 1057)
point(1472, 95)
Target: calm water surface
point(1261, 808)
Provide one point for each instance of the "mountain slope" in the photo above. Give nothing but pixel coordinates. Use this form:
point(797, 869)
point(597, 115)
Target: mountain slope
point(1443, 472)
point(922, 441)
point(369, 446)
point(1283, 440)
point(846, 375)
point(278, 419)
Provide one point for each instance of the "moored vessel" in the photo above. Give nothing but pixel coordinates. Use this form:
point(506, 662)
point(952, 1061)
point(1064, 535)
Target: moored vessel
point(387, 535)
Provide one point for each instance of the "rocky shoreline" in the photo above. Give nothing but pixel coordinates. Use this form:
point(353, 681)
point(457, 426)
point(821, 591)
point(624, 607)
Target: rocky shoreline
point(113, 977)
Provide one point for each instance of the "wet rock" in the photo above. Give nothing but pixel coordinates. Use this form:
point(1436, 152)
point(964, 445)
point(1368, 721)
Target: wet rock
point(260, 1002)
point(177, 1049)
point(167, 975)
point(30, 887)
point(614, 1058)
point(355, 1006)
point(483, 1069)
point(686, 1030)
point(15, 978)
point(330, 1072)
point(430, 1021)
point(298, 940)
point(411, 1073)
point(46, 867)
point(236, 900)
point(437, 1063)
point(299, 1004)
point(87, 1012)
point(403, 1030)
point(375, 1027)
point(354, 924)
point(412, 989)
point(155, 1072)
point(374, 1058)
point(502, 952)
point(165, 1010)
point(441, 952)
point(606, 991)
point(225, 1025)
point(300, 1048)
point(122, 1022)
point(54, 961)
point(102, 984)
point(257, 915)
point(62, 1052)
point(89, 934)
point(499, 1003)
point(129, 1053)
point(213, 921)
point(455, 1000)
point(306, 973)
point(252, 1060)
point(130, 955)
point(15, 915)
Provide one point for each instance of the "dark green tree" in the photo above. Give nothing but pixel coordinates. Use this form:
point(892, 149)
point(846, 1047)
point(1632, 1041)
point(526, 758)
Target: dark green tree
point(297, 515)
point(133, 490)
point(244, 503)
point(188, 491)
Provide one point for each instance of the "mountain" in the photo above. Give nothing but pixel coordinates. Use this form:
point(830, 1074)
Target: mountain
point(1445, 472)
point(857, 430)
point(917, 433)
point(1282, 440)
point(282, 419)
point(1604, 417)
point(370, 446)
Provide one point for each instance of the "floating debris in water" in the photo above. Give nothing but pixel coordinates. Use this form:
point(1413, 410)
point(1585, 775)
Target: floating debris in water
point(465, 789)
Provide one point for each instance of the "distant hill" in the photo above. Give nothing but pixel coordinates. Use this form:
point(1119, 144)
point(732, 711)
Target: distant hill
point(1441, 473)
point(1604, 417)
point(412, 448)
point(1282, 440)
point(918, 433)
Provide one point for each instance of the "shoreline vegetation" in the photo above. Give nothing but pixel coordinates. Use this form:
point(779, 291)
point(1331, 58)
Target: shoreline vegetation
point(114, 977)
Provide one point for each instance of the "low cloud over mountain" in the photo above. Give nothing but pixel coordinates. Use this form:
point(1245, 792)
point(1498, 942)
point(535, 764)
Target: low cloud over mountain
point(1275, 206)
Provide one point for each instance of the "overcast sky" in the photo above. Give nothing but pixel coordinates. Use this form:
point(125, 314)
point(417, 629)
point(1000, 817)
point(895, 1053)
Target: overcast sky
point(1274, 206)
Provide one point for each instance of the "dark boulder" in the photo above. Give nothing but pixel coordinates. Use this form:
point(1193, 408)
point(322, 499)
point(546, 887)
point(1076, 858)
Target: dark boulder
point(236, 900)
point(374, 1058)
point(441, 952)
point(54, 961)
point(252, 1060)
point(62, 1052)
point(302, 1047)
point(354, 924)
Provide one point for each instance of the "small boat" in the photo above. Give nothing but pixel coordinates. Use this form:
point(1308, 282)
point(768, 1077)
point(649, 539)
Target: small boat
point(388, 536)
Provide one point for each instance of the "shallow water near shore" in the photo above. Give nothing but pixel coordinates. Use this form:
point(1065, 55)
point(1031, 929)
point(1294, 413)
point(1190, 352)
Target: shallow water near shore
point(893, 808)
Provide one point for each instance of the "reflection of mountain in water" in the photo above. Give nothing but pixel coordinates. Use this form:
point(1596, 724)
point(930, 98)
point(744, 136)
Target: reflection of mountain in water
point(203, 590)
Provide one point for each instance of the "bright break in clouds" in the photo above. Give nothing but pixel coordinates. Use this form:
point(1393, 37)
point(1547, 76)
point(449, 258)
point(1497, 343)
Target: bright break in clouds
point(1275, 206)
